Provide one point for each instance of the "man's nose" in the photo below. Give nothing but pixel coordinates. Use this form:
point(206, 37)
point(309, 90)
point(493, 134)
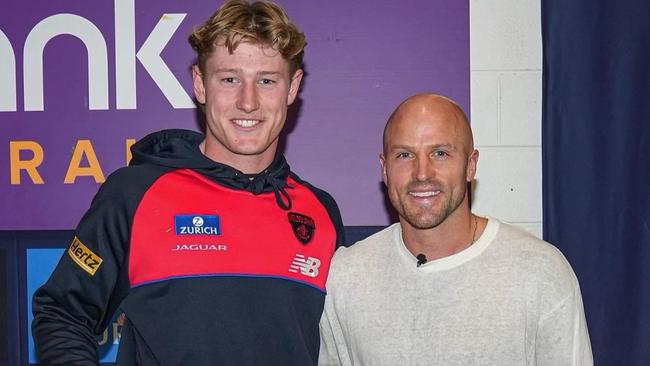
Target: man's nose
point(248, 99)
point(424, 169)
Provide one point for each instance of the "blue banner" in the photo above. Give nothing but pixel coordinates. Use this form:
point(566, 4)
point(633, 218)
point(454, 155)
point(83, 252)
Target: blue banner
point(596, 164)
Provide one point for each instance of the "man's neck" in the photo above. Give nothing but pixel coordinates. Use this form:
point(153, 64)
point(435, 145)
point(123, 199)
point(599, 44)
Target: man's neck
point(458, 232)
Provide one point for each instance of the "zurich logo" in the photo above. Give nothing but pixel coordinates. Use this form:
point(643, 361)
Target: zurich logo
point(197, 221)
point(197, 225)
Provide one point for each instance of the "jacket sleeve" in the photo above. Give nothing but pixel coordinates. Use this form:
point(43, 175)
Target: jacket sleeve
point(332, 210)
point(74, 306)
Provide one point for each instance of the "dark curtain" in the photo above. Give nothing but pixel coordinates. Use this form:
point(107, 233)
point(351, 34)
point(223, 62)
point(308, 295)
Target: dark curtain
point(596, 164)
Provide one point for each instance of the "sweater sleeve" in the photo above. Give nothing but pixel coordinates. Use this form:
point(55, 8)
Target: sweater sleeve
point(562, 336)
point(333, 350)
point(74, 306)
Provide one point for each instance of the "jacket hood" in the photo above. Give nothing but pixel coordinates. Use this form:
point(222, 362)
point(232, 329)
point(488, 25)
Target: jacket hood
point(171, 148)
point(180, 149)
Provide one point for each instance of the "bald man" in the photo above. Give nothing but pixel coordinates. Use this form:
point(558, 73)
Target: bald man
point(444, 286)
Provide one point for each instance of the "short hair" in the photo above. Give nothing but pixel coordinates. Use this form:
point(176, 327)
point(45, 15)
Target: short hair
point(261, 22)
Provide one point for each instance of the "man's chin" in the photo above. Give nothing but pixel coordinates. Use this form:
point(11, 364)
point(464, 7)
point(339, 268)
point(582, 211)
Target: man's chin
point(249, 149)
point(423, 221)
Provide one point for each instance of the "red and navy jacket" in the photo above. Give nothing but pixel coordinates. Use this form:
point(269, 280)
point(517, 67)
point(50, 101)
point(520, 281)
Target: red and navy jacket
point(210, 266)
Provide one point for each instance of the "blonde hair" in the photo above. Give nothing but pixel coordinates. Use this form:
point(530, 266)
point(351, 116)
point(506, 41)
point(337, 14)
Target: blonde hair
point(261, 22)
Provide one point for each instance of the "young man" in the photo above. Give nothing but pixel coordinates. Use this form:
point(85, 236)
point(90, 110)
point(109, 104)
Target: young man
point(444, 286)
point(214, 250)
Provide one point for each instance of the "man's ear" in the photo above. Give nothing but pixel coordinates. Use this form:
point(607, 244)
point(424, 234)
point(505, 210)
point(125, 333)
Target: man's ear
point(382, 161)
point(197, 80)
point(472, 164)
point(294, 86)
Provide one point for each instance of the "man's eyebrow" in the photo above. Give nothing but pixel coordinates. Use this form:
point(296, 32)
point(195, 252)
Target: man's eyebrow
point(269, 73)
point(226, 70)
point(445, 146)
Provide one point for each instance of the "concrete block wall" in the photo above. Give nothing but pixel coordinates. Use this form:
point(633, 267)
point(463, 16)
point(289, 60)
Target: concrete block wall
point(506, 95)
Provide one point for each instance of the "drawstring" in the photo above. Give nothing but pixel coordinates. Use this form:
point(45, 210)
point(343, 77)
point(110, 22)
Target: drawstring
point(279, 191)
point(257, 183)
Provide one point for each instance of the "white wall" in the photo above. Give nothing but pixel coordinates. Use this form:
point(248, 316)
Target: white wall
point(506, 87)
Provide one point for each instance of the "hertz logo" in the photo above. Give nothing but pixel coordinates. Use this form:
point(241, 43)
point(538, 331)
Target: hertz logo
point(84, 257)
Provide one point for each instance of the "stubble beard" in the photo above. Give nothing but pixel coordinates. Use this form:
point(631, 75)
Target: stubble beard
point(424, 218)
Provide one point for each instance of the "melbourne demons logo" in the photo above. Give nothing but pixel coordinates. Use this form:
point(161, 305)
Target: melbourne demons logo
point(303, 226)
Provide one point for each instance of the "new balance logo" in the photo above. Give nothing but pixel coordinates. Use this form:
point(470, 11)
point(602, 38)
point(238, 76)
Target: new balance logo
point(306, 266)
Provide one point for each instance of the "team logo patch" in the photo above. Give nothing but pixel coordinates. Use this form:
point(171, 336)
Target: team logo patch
point(84, 257)
point(197, 225)
point(303, 226)
point(306, 266)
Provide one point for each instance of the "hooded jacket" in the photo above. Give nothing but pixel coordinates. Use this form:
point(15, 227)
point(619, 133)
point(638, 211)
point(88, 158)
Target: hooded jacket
point(210, 266)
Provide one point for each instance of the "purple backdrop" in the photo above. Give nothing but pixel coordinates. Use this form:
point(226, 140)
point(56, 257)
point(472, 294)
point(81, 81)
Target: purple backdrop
point(363, 57)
